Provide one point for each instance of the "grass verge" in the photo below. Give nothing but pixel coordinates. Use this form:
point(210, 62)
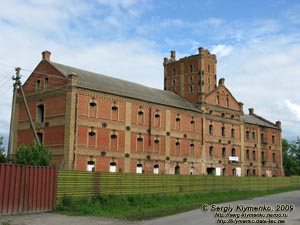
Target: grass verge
point(138, 207)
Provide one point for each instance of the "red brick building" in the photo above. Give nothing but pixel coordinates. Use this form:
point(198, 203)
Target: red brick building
point(194, 126)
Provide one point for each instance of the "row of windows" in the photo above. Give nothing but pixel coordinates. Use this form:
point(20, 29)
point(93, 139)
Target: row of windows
point(191, 70)
point(38, 84)
point(262, 136)
point(224, 151)
point(223, 131)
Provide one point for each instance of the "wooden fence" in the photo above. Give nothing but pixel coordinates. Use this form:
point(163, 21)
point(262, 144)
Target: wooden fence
point(77, 184)
point(27, 189)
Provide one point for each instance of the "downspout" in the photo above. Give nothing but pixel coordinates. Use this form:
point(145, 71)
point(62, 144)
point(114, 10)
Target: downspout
point(150, 124)
point(75, 131)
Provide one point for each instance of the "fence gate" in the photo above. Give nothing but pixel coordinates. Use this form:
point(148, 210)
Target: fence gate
point(27, 189)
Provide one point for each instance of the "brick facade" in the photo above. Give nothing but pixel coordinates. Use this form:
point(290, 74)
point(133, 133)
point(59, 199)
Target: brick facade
point(98, 129)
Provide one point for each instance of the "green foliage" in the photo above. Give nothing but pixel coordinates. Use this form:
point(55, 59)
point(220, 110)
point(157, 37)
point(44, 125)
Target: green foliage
point(137, 207)
point(291, 157)
point(3, 158)
point(34, 154)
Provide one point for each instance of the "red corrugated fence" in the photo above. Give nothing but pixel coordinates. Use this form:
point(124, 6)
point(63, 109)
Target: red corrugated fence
point(27, 189)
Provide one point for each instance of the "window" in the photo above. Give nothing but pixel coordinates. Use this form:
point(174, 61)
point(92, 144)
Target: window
point(38, 85)
point(156, 169)
point(90, 166)
point(177, 147)
point(140, 143)
point(113, 167)
point(253, 136)
point(262, 137)
point(174, 82)
point(218, 100)
point(253, 155)
point(40, 137)
point(227, 102)
point(139, 168)
point(40, 113)
point(174, 72)
point(114, 141)
point(247, 154)
point(177, 123)
point(92, 109)
point(233, 172)
point(191, 79)
point(157, 119)
point(223, 132)
point(92, 138)
point(211, 129)
point(233, 152)
point(247, 134)
point(273, 157)
point(191, 68)
point(114, 112)
point(46, 83)
point(211, 151)
point(177, 169)
point(191, 89)
point(156, 145)
point(254, 172)
point(273, 139)
point(233, 133)
point(223, 152)
point(224, 172)
point(208, 68)
point(192, 170)
point(248, 172)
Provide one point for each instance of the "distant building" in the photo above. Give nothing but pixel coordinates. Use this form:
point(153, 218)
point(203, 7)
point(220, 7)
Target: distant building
point(194, 126)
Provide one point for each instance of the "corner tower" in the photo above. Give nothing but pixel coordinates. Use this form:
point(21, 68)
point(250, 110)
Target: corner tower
point(191, 77)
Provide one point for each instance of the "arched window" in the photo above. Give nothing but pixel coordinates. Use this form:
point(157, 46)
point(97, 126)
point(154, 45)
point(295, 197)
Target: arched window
point(247, 134)
point(247, 154)
point(211, 129)
point(174, 72)
point(38, 85)
point(218, 100)
point(253, 155)
point(156, 169)
point(233, 133)
point(223, 131)
point(139, 168)
point(233, 152)
point(40, 137)
point(224, 152)
point(113, 167)
point(40, 113)
point(211, 151)
point(191, 68)
point(90, 166)
point(177, 169)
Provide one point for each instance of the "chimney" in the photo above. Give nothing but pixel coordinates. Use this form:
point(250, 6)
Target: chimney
point(278, 124)
point(222, 82)
point(46, 55)
point(251, 111)
point(173, 55)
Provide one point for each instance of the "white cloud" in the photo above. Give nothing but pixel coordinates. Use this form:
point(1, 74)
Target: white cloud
point(294, 109)
point(221, 50)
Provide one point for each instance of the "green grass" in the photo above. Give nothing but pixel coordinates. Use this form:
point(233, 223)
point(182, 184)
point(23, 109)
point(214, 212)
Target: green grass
point(137, 207)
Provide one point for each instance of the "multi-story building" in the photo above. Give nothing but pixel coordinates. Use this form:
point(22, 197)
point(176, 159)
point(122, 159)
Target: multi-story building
point(194, 126)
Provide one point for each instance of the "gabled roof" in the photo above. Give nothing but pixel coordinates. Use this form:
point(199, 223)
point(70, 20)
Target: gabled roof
point(257, 120)
point(106, 84)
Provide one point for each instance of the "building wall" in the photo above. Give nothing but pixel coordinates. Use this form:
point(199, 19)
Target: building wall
point(89, 129)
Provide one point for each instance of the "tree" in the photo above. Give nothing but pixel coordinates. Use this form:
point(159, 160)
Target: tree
point(291, 157)
point(34, 154)
point(3, 158)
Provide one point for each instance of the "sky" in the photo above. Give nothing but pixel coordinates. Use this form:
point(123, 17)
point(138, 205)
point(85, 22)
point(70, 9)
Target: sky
point(257, 43)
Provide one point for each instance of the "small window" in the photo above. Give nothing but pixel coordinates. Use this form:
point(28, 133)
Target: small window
point(177, 169)
point(40, 137)
point(40, 111)
point(156, 115)
point(192, 121)
point(224, 152)
point(211, 129)
point(253, 136)
point(211, 151)
point(223, 131)
point(247, 154)
point(38, 85)
point(191, 68)
point(46, 83)
point(227, 102)
point(233, 152)
point(93, 104)
point(156, 169)
point(177, 119)
point(92, 133)
point(114, 108)
point(218, 100)
point(273, 139)
point(192, 146)
point(156, 141)
point(247, 134)
point(139, 168)
point(177, 143)
point(112, 167)
point(233, 133)
point(253, 155)
point(113, 136)
point(139, 139)
point(140, 113)
point(90, 166)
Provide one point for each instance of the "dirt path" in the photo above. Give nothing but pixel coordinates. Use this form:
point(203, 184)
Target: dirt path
point(56, 219)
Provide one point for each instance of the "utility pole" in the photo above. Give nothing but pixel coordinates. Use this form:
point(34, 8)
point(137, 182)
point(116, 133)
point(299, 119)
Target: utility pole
point(17, 85)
